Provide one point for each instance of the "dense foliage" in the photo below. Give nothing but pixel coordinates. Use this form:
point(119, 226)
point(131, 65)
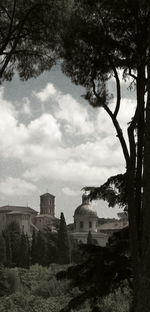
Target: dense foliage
point(63, 242)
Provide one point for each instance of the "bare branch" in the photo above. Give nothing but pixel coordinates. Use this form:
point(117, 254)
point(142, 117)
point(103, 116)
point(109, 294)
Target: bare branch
point(116, 125)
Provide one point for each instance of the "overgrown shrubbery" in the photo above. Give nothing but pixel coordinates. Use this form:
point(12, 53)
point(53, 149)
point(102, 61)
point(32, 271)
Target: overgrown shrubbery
point(119, 301)
point(20, 303)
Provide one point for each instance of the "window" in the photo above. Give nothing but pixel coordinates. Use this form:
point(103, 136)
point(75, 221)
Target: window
point(81, 224)
point(90, 225)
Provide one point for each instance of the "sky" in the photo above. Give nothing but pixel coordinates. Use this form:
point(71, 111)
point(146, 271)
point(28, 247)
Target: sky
point(53, 141)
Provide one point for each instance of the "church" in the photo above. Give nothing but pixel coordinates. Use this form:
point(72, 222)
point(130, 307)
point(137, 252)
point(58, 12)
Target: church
point(85, 220)
point(28, 218)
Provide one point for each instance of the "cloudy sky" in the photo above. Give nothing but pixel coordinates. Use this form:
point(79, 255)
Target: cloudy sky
point(53, 141)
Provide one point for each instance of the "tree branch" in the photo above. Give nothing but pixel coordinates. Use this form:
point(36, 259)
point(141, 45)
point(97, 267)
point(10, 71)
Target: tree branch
point(116, 125)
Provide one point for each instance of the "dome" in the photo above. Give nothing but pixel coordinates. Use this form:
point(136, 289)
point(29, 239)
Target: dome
point(85, 209)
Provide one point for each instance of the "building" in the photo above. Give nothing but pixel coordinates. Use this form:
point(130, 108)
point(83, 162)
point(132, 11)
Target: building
point(85, 220)
point(29, 218)
point(47, 218)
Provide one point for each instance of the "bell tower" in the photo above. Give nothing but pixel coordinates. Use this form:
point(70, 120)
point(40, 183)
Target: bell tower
point(47, 204)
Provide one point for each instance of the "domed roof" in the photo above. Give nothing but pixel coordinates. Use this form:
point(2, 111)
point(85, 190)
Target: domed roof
point(85, 208)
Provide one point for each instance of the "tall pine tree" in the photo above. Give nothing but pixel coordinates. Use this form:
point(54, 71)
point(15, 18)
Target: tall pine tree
point(63, 242)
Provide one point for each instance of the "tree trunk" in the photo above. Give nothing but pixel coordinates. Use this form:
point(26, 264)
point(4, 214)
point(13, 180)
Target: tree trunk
point(143, 298)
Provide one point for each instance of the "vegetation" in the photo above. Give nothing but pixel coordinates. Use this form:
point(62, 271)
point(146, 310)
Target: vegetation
point(29, 36)
point(37, 289)
point(102, 38)
point(63, 242)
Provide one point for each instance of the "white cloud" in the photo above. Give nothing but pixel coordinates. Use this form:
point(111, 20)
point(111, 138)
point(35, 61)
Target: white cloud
point(46, 93)
point(44, 130)
point(17, 139)
point(75, 116)
point(16, 186)
point(70, 192)
point(26, 106)
point(41, 147)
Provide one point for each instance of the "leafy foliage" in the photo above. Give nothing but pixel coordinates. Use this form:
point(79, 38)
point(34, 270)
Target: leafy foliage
point(114, 191)
point(104, 270)
point(29, 36)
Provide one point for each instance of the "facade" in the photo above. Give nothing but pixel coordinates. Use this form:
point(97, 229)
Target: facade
point(23, 215)
point(85, 220)
point(29, 218)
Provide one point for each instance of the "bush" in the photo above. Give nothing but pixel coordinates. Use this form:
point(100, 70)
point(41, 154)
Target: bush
point(51, 288)
point(20, 303)
point(13, 280)
point(119, 301)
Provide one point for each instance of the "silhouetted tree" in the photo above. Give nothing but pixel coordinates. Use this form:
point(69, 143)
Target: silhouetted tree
point(34, 250)
point(52, 249)
point(63, 242)
point(12, 235)
point(2, 250)
point(89, 238)
point(24, 252)
point(101, 38)
point(42, 249)
point(29, 36)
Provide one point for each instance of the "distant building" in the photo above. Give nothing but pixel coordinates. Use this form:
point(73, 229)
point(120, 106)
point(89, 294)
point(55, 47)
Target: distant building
point(47, 218)
point(85, 220)
point(29, 218)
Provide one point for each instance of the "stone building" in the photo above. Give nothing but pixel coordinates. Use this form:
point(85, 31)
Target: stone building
point(29, 218)
point(85, 220)
point(47, 218)
point(25, 216)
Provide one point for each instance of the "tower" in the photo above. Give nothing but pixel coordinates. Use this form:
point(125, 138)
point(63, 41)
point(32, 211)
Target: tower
point(47, 204)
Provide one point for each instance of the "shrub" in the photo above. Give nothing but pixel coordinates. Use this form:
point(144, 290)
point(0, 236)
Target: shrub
point(51, 288)
point(20, 303)
point(119, 301)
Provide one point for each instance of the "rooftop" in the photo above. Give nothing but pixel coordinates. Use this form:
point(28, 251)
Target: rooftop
point(21, 209)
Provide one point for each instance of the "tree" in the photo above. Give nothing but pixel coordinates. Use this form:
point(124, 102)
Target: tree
point(101, 38)
point(12, 235)
point(2, 250)
point(34, 248)
point(29, 36)
point(24, 252)
point(89, 238)
point(42, 249)
point(103, 269)
point(63, 242)
point(52, 249)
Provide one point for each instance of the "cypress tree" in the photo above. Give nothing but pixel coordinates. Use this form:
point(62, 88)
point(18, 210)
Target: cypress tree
point(13, 243)
point(63, 242)
point(42, 249)
point(89, 238)
point(24, 251)
point(2, 250)
point(34, 248)
point(8, 249)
